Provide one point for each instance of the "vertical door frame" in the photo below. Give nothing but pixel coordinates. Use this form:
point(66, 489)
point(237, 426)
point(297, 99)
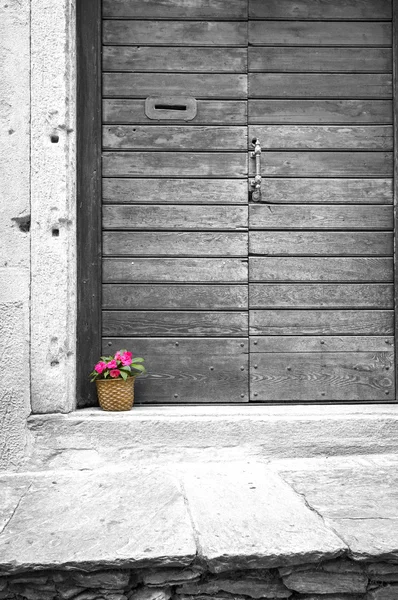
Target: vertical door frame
point(88, 23)
point(395, 177)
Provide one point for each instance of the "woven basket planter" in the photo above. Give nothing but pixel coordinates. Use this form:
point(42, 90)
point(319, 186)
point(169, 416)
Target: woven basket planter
point(115, 394)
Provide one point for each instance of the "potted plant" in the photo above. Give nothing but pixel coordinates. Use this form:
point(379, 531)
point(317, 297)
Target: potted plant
point(114, 377)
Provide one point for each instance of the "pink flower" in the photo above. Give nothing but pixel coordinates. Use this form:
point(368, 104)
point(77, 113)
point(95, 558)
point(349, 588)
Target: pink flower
point(126, 358)
point(118, 356)
point(112, 364)
point(100, 367)
point(114, 373)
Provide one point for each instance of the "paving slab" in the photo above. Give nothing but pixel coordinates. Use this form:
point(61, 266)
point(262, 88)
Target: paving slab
point(248, 517)
point(359, 502)
point(94, 519)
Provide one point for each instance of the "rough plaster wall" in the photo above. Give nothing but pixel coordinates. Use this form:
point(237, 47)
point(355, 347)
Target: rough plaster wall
point(53, 205)
point(14, 228)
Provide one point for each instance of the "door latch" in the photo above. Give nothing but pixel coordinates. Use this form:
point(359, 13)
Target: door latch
point(255, 183)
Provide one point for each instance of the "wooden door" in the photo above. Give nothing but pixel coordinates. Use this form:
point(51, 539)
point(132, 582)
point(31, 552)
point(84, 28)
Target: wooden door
point(198, 278)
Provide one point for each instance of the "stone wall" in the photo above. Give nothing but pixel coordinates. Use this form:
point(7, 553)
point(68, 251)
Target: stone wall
point(340, 579)
point(15, 225)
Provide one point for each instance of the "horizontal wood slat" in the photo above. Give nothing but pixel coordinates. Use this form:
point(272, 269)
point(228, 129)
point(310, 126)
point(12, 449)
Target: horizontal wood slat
point(221, 112)
point(325, 85)
point(319, 33)
point(321, 269)
point(197, 370)
point(342, 376)
point(142, 85)
point(174, 217)
point(326, 60)
point(321, 322)
point(175, 33)
point(174, 323)
point(357, 137)
point(156, 59)
point(184, 137)
point(320, 111)
point(314, 9)
point(328, 191)
point(174, 164)
point(175, 297)
point(321, 295)
point(283, 216)
point(324, 344)
point(321, 243)
point(174, 191)
point(169, 9)
point(174, 270)
point(325, 164)
point(149, 243)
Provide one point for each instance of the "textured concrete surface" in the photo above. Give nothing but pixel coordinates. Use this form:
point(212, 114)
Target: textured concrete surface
point(247, 517)
point(211, 433)
point(14, 229)
point(225, 516)
point(53, 232)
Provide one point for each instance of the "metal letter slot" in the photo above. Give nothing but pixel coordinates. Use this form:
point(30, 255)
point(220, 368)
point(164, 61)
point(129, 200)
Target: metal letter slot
point(255, 183)
point(171, 108)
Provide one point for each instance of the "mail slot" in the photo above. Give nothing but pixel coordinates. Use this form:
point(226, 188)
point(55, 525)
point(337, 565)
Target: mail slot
point(171, 108)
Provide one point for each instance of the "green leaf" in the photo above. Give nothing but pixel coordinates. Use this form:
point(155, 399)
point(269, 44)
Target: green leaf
point(137, 359)
point(127, 369)
point(140, 368)
point(124, 375)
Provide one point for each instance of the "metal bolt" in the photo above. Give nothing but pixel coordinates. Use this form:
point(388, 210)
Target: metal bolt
point(322, 341)
point(242, 345)
point(175, 395)
point(255, 394)
point(177, 344)
point(288, 368)
point(387, 392)
point(211, 368)
point(323, 394)
point(242, 395)
point(109, 343)
point(255, 342)
point(387, 341)
point(255, 366)
point(387, 368)
point(242, 368)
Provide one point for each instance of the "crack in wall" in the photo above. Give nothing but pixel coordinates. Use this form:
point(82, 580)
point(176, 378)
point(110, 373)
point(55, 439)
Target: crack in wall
point(16, 508)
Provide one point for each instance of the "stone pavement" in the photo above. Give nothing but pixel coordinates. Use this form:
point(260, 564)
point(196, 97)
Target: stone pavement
point(223, 516)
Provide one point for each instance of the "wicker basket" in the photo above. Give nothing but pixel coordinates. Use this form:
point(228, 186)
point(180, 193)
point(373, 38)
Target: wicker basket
point(115, 394)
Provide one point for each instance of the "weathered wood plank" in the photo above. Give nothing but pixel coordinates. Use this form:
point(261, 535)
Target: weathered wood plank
point(324, 344)
point(317, 137)
point(175, 33)
point(320, 9)
point(175, 191)
point(329, 191)
point(319, 111)
point(150, 243)
point(174, 323)
point(325, 60)
point(321, 295)
point(174, 297)
point(321, 269)
point(186, 137)
point(156, 59)
point(170, 9)
point(174, 217)
point(319, 33)
point(315, 216)
point(209, 112)
point(174, 270)
point(198, 85)
point(311, 85)
point(322, 243)
point(321, 322)
point(342, 376)
point(326, 164)
point(395, 95)
point(198, 370)
point(174, 164)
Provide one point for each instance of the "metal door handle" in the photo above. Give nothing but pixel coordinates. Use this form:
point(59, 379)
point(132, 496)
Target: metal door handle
point(255, 183)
